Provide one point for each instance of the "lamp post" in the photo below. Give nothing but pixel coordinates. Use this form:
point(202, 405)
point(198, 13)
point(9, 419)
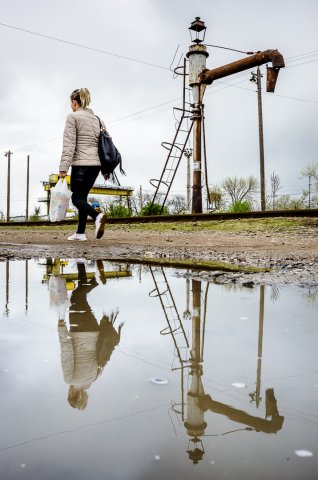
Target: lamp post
point(197, 56)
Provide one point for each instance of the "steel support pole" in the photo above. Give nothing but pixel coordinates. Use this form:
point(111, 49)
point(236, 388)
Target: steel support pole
point(261, 140)
point(188, 183)
point(27, 189)
point(187, 154)
point(197, 175)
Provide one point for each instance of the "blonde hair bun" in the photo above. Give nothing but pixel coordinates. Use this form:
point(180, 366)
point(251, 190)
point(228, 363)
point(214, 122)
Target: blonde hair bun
point(82, 97)
point(85, 97)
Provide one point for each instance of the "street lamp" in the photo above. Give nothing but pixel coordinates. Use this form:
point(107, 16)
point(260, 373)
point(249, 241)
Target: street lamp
point(197, 56)
point(197, 31)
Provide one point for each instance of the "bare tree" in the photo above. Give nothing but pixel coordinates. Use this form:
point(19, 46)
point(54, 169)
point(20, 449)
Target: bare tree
point(311, 172)
point(285, 202)
point(239, 188)
point(216, 197)
point(276, 185)
point(177, 204)
point(139, 200)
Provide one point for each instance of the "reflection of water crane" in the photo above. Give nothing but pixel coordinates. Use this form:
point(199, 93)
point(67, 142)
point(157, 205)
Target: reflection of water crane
point(175, 328)
point(195, 423)
point(198, 403)
point(56, 267)
point(187, 313)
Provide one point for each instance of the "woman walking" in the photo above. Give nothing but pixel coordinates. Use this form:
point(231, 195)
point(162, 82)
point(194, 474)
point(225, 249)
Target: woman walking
point(80, 151)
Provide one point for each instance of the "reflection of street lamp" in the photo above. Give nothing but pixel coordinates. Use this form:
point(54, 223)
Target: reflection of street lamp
point(188, 153)
point(195, 423)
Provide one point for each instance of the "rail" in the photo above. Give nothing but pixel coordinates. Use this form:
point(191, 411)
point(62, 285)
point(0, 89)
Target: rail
point(192, 217)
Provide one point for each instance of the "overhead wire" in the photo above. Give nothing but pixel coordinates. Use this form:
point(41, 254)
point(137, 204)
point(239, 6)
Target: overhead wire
point(121, 120)
point(80, 45)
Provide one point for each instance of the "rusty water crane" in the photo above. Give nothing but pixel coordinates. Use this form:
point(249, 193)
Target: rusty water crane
point(199, 77)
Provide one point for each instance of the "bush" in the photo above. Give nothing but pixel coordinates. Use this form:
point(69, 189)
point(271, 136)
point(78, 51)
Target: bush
point(240, 206)
point(154, 209)
point(118, 211)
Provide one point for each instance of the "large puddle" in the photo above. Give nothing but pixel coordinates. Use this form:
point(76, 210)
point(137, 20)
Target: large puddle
point(113, 371)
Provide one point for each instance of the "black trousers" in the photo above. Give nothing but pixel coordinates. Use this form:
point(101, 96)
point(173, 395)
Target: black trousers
point(82, 180)
point(81, 316)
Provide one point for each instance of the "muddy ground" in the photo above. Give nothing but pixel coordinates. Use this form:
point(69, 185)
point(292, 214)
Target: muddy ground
point(290, 252)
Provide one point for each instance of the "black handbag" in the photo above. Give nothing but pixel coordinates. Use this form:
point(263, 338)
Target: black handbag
point(108, 154)
point(107, 340)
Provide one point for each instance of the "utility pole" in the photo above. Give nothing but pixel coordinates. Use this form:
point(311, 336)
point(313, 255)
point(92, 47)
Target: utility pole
point(8, 155)
point(309, 192)
point(188, 153)
point(140, 199)
point(197, 56)
point(27, 189)
point(256, 78)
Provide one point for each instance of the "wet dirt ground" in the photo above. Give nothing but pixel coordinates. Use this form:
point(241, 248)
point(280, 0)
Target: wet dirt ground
point(291, 254)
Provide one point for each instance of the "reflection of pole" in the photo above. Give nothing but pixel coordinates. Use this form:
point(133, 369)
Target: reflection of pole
point(27, 189)
point(260, 345)
point(26, 284)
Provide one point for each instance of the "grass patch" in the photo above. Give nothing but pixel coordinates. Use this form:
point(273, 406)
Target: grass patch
point(194, 264)
point(279, 224)
point(244, 225)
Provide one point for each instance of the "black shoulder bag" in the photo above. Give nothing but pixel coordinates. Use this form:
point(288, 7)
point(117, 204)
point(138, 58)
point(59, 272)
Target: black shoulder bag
point(108, 154)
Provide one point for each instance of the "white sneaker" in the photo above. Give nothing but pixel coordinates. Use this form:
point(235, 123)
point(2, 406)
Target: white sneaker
point(79, 237)
point(99, 225)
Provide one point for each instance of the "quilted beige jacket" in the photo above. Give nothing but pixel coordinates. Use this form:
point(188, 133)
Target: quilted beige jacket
point(80, 140)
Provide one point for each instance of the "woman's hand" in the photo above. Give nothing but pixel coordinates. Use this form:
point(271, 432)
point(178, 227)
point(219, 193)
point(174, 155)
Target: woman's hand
point(62, 174)
point(106, 176)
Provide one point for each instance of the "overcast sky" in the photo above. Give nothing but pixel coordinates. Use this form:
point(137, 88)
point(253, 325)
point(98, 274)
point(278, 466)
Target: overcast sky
point(38, 74)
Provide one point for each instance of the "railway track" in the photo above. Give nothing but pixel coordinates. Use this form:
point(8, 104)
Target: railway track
point(192, 217)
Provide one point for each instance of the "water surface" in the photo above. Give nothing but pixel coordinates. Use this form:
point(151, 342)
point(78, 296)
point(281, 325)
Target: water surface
point(123, 372)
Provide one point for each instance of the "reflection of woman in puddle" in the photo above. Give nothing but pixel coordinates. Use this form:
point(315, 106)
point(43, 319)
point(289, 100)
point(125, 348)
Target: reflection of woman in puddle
point(87, 346)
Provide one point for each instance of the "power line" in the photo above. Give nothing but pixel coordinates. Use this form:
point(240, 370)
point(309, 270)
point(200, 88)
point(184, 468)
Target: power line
point(226, 85)
point(303, 63)
point(98, 50)
point(271, 94)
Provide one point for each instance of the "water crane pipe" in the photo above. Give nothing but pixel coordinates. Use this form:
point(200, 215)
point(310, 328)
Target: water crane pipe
point(274, 56)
